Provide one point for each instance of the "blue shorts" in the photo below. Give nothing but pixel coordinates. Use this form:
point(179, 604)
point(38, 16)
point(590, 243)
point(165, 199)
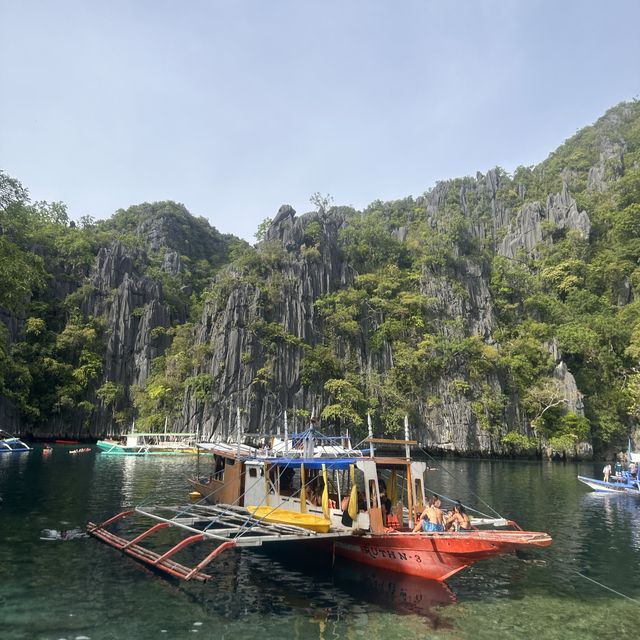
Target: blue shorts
point(430, 526)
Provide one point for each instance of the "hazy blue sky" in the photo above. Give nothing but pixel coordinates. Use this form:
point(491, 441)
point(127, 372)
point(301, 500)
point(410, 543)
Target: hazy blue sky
point(236, 107)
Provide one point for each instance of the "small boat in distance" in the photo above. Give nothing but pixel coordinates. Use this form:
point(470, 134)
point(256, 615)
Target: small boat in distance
point(11, 444)
point(156, 443)
point(622, 482)
point(149, 444)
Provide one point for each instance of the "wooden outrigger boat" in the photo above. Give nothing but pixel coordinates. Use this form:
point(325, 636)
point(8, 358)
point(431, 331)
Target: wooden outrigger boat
point(374, 528)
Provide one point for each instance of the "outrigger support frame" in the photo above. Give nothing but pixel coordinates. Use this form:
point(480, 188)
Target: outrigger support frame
point(142, 554)
point(231, 525)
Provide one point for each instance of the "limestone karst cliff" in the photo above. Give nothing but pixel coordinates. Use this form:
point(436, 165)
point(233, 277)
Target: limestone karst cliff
point(498, 311)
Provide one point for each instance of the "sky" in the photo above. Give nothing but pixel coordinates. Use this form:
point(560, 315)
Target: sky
point(235, 107)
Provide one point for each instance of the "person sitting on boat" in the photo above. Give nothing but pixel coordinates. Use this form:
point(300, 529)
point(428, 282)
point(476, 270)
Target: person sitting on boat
point(346, 519)
point(432, 518)
point(286, 482)
point(458, 520)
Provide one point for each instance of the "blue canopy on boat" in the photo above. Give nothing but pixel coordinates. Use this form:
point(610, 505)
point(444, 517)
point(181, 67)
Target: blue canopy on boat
point(312, 463)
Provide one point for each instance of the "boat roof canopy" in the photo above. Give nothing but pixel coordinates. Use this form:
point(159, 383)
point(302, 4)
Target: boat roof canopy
point(309, 463)
point(336, 464)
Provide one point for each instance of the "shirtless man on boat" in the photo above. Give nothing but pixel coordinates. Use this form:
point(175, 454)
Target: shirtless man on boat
point(432, 518)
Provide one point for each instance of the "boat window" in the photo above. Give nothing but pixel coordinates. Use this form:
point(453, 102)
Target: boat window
point(253, 472)
point(218, 473)
point(231, 461)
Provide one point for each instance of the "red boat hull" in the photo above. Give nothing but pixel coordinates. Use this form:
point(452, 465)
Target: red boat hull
point(434, 556)
point(67, 441)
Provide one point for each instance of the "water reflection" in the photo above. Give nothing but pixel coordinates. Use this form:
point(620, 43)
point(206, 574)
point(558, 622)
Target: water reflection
point(250, 584)
point(619, 515)
point(395, 592)
point(80, 587)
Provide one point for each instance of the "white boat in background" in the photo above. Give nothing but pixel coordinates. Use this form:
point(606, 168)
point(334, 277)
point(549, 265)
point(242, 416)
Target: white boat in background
point(11, 444)
point(624, 486)
point(149, 444)
point(626, 482)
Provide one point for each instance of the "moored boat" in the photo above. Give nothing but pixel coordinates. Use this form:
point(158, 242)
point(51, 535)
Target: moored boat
point(625, 481)
point(145, 444)
point(11, 444)
point(369, 502)
point(624, 485)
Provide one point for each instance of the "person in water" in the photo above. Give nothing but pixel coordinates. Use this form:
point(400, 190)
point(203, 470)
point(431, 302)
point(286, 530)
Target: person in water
point(432, 518)
point(458, 520)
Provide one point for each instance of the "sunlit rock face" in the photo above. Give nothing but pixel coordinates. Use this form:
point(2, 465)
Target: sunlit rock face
point(255, 332)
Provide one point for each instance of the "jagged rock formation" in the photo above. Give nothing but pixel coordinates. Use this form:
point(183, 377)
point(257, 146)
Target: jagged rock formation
point(527, 231)
point(133, 308)
point(227, 327)
point(256, 328)
point(237, 356)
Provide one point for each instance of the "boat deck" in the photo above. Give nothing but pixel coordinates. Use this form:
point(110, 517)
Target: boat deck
point(229, 525)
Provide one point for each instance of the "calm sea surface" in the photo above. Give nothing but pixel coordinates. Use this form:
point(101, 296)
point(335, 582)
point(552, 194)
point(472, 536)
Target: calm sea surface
point(83, 589)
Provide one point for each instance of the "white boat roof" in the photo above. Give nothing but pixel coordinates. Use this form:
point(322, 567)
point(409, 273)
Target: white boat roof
point(228, 449)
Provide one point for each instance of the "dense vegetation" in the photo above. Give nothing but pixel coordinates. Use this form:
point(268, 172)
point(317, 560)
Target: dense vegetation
point(573, 294)
point(54, 367)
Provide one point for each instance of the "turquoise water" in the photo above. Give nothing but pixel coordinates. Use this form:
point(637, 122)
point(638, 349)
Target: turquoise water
point(83, 589)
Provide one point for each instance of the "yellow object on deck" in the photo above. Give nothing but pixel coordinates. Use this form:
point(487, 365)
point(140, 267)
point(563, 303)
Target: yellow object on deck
point(325, 493)
point(392, 489)
point(303, 491)
point(284, 516)
point(353, 498)
point(195, 496)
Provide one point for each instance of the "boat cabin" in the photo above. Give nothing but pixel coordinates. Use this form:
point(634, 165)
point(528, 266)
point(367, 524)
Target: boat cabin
point(387, 490)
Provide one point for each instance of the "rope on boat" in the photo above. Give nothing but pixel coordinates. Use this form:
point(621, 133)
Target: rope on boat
point(475, 495)
point(249, 522)
point(467, 507)
point(604, 586)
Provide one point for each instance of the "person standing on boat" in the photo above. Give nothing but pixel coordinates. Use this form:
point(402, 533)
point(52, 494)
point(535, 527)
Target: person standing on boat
point(432, 518)
point(618, 469)
point(606, 472)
